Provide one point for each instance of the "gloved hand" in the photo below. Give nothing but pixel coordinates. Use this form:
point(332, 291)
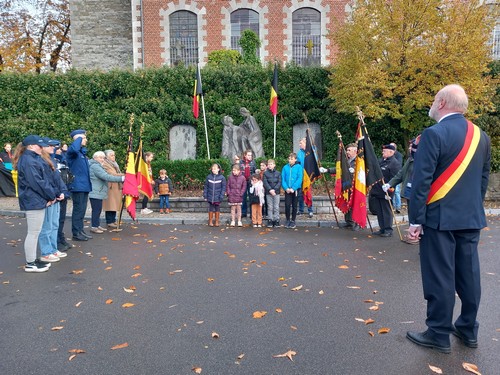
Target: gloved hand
point(386, 187)
point(323, 170)
point(351, 170)
point(387, 197)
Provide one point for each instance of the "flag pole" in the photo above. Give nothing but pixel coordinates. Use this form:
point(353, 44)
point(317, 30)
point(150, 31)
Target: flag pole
point(322, 175)
point(205, 123)
point(274, 149)
point(131, 123)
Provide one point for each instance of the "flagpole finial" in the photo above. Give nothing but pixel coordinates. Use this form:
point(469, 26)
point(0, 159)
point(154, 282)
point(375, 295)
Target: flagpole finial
point(339, 136)
point(360, 115)
point(305, 118)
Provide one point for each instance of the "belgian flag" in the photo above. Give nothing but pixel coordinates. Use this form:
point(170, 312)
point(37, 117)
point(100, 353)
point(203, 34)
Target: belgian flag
point(273, 102)
point(197, 93)
point(343, 180)
point(311, 171)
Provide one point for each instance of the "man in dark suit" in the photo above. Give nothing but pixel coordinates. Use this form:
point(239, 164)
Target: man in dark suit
point(451, 172)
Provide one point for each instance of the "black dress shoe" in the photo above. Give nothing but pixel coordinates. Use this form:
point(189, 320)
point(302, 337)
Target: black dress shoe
point(467, 342)
point(80, 237)
point(378, 233)
point(386, 234)
point(424, 339)
point(89, 236)
point(345, 225)
point(356, 228)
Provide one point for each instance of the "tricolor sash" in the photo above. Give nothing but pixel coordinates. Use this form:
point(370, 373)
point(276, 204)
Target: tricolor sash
point(445, 182)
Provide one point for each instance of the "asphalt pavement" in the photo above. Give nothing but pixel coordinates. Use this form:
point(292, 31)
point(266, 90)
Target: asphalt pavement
point(227, 301)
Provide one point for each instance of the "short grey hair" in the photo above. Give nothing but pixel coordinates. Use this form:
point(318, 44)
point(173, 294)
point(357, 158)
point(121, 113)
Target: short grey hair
point(107, 152)
point(98, 154)
point(455, 98)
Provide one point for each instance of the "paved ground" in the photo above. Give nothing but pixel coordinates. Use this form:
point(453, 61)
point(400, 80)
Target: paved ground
point(186, 282)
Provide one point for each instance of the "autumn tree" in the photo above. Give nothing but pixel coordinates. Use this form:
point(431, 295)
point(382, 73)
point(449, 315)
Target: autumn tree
point(394, 55)
point(34, 35)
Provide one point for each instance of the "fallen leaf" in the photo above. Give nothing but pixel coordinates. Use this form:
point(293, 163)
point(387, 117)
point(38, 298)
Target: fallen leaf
point(108, 268)
point(435, 369)
point(301, 261)
point(197, 370)
point(373, 308)
point(297, 288)
point(215, 335)
point(368, 301)
point(384, 330)
point(76, 351)
point(371, 333)
point(321, 292)
point(109, 301)
point(71, 357)
point(78, 304)
point(344, 267)
point(241, 356)
point(58, 328)
point(120, 346)
point(471, 368)
point(77, 272)
point(293, 328)
point(136, 274)
point(353, 287)
point(128, 290)
point(210, 279)
point(278, 310)
point(259, 314)
point(289, 354)
point(128, 304)
point(99, 288)
point(369, 321)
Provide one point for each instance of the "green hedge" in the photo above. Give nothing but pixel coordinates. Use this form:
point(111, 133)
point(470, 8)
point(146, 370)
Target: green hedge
point(55, 104)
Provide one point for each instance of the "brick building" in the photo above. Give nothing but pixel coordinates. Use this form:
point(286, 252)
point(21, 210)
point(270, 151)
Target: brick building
point(142, 33)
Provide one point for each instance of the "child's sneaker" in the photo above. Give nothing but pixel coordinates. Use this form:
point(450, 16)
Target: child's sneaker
point(240, 224)
point(255, 225)
point(232, 223)
point(50, 258)
point(35, 267)
point(60, 254)
point(292, 225)
point(270, 223)
point(259, 225)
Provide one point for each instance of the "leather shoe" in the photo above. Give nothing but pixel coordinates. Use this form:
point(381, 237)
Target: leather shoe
point(356, 228)
point(424, 339)
point(345, 225)
point(467, 342)
point(386, 234)
point(378, 233)
point(89, 236)
point(80, 237)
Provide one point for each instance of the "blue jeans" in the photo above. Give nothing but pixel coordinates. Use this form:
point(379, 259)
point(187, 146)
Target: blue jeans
point(396, 199)
point(96, 205)
point(47, 240)
point(244, 203)
point(79, 209)
point(164, 202)
point(301, 204)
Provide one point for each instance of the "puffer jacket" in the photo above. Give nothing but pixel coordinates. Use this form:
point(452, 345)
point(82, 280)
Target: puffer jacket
point(272, 181)
point(79, 166)
point(236, 186)
point(34, 186)
point(99, 179)
point(214, 188)
point(291, 176)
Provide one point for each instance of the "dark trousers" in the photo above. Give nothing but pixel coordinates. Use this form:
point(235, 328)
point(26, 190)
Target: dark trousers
point(291, 200)
point(79, 208)
point(110, 217)
point(62, 218)
point(145, 201)
point(96, 205)
point(449, 262)
point(384, 214)
point(244, 203)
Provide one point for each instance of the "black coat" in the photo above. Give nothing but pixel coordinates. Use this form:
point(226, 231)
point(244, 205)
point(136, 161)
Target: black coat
point(390, 167)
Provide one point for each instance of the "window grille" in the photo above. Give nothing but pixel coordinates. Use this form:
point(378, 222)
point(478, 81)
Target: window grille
point(183, 38)
point(241, 20)
point(306, 37)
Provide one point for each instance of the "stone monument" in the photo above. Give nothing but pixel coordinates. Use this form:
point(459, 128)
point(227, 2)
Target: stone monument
point(246, 136)
point(182, 142)
point(299, 131)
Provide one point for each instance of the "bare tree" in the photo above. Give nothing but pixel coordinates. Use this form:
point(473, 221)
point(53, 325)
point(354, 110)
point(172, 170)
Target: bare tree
point(35, 35)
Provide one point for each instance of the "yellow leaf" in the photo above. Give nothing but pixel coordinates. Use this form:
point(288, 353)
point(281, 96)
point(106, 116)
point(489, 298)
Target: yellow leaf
point(197, 370)
point(215, 335)
point(116, 239)
point(58, 328)
point(259, 314)
point(77, 272)
point(435, 369)
point(120, 346)
point(297, 288)
point(281, 279)
point(289, 354)
point(128, 304)
point(384, 330)
point(471, 368)
point(109, 301)
point(344, 267)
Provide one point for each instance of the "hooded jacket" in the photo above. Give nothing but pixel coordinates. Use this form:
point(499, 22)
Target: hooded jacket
point(214, 188)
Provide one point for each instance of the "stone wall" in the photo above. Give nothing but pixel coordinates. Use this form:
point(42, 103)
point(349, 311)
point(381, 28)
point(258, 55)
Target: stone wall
point(101, 34)
point(493, 193)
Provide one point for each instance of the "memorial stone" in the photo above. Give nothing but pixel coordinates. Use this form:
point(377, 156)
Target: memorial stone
point(182, 142)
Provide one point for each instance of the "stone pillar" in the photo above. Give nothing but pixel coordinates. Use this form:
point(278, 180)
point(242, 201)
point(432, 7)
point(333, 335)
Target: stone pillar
point(299, 131)
point(182, 142)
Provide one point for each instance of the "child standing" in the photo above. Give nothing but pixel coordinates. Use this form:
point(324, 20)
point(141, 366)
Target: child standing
point(272, 186)
point(236, 186)
point(163, 187)
point(213, 192)
point(291, 181)
point(256, 200)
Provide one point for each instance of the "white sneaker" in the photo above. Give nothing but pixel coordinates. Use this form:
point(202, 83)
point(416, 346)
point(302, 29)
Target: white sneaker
point(146, 211)
point(232, 223)
point(101, 228)
point(60, 254)
point(50, 258)
point(240, 224)
point(95, 230)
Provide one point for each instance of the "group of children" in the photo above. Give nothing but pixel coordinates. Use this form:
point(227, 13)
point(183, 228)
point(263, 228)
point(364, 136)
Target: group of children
point(263, 188)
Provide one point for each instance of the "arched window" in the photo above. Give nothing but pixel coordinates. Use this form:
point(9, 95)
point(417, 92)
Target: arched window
point(306, 34)
point(183, 38)
point(241, 20)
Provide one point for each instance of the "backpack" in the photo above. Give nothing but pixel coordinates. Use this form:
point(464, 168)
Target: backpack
point(66, 174)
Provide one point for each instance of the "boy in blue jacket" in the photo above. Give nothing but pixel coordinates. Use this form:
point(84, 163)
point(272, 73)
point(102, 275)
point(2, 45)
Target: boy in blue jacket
point(291, 182)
